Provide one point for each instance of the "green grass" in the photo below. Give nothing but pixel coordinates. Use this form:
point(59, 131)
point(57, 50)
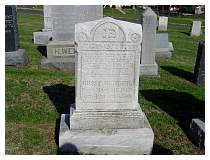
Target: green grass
point(35, 97)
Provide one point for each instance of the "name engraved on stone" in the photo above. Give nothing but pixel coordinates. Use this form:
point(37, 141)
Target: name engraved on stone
point(9, 24)
point(63, 51)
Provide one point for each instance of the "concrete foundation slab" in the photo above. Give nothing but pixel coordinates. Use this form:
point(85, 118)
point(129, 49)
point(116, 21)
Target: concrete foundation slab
point(64, 66)
point(16, 58)
point(42, 38)
point(105, 141)
point(149, 70)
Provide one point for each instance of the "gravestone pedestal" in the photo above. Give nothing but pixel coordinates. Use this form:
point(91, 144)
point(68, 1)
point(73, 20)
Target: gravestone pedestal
point(149, 70)
point(43, 38)
point(60, 55)
point(16, 58)
point(105, 141)
point(108, 118)
point(13, 55)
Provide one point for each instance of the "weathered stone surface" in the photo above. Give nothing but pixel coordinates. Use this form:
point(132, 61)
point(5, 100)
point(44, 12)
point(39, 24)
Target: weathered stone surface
point(11, 29)
point(48, 19)
point(13, 55)
point(107, 112)
point(42, 38)
point(162, 46)
point(196, 28)
point(148, 66)
point(105, 141)
point(63, 20)
point(197, 131)
point(66, 16)
point(199, 70)
point(60, 55)
point(163, 23)
point(16, 58)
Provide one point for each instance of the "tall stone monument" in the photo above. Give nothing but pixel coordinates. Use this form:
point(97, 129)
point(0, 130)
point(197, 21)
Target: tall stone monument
point(148, 66)
point(199, 70)
point(163, 23)
point(196, 28)
point(60, 51)
point(43, 37)
point(108, 118)
point(13, 55)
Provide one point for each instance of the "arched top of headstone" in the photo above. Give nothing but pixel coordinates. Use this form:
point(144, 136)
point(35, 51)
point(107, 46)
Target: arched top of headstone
point(149, 12)
point(108, 30)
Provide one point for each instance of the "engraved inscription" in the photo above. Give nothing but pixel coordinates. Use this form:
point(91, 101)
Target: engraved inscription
point(63, 51)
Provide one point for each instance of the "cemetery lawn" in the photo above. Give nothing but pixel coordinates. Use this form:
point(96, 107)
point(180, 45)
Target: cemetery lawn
point(35, 97)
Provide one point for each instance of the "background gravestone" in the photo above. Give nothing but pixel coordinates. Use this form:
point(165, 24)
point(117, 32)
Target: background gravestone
point(199, 70)
point(48, 22)
point(108, 118)
point(196, 28)
point(148, 65)
point(13, 55)
point(163, 23)
point(60, 51)
point(162, 46)
point(43, 38)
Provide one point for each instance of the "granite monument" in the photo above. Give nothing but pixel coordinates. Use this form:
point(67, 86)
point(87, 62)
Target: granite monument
point(108, 118)
point(13, 55)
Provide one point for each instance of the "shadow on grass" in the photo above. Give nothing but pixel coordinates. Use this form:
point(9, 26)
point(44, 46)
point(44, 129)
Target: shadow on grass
point(180, 105)
point(159, 150)
point(68, 149)
point(186, 33)
point(180, 72)
point(62, 96)
point(42, 50)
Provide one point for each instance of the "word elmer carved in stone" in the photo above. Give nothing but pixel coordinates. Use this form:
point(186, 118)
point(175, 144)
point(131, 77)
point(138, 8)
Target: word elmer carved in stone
point(107, 115)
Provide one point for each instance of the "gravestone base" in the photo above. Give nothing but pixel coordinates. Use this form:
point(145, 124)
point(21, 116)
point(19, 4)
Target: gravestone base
point(63, 66)
point(197, 131)
point(16, 58)
point(105, 141)
point(163, 54)
point(42, 38)
point(64, 59)
point(149, 70)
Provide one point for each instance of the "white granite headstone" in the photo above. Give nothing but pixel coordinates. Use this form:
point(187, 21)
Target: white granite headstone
point(108, 118)
point(196, 28)
point(148, 65)
point(60, 51)
point(66, 16)
point(163, 23)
